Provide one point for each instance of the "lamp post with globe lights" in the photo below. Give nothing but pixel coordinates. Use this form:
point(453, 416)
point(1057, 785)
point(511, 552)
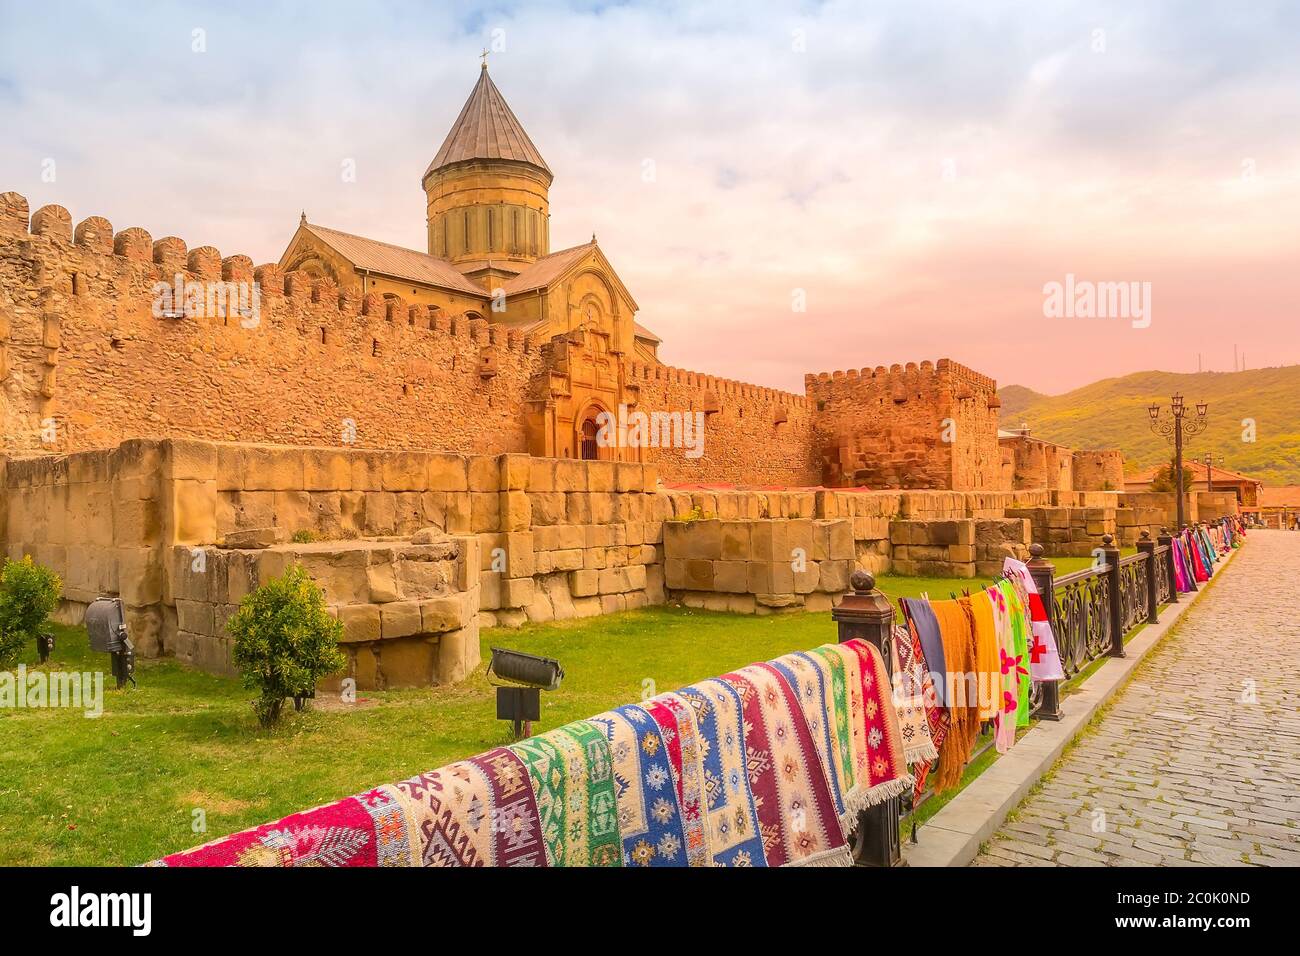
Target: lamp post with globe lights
point(1175, 427)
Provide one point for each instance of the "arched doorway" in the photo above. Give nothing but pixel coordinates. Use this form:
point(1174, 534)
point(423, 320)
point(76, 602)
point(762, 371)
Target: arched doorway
point(589, 449)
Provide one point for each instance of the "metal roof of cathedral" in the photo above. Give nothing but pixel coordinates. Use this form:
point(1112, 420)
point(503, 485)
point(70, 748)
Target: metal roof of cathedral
point(540, 274)
point(397, 261)
point(486, 129)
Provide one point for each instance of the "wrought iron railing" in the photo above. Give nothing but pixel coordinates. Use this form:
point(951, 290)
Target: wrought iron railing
point(1081, 617)
point(1164, 579)
point(1135, 589)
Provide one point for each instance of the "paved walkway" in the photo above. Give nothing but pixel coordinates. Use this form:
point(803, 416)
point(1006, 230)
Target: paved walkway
point(1183, 769)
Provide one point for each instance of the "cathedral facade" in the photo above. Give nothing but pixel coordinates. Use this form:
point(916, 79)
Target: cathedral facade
point(489, 257)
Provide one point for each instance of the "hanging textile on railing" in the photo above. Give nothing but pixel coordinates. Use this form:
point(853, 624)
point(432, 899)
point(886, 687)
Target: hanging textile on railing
point(767, 766)
point(912, 685)
point(933, 680)
point(960, 654)
point(1044, 658)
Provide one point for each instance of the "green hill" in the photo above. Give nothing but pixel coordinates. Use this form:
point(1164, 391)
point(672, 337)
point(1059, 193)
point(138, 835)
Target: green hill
point(1112, 413)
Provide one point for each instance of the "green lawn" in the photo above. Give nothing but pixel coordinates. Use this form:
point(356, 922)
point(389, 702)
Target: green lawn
point(122, 788)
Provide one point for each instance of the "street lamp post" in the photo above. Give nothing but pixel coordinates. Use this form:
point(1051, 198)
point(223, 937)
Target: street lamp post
point(1175, 427)
point(1209, 461)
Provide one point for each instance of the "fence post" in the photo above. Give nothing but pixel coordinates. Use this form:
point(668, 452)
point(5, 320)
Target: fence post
point(866, 614)
point(1148, 547)
point(1116, 596)
point(1167, 541)
point(1044, 574)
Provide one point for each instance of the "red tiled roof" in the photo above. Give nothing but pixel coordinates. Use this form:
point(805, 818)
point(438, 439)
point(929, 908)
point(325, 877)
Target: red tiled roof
point(1198, 469)
point(1287, 496)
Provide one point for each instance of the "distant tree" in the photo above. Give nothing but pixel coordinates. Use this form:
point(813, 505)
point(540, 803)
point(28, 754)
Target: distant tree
point(1164, 479)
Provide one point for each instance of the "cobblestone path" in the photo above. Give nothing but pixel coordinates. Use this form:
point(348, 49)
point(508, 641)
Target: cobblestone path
point(1185, 767)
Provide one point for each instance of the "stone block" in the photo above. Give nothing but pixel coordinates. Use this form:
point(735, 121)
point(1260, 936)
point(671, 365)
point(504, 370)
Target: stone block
point(541, 475)
point(770, 541)
point(381, 580)
point(140, 576)
point(326, 469)
point(734, 540)
point(515, 511)
point(628, 476)
point(360, 623)
point(484, 473)
point(699, 574)
point(585, 583)
point(447, 473)
point(731, 576)
point(444, 613)
point(485, 511)
point(194, 511)
point(570, 476)
point(600, 476)
point(400, 619)
point(516, 592)
point(186, 459)
point(408, 663)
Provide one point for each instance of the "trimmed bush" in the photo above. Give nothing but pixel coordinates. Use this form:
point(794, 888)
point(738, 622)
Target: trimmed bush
point(285, 641)
point(29, 592)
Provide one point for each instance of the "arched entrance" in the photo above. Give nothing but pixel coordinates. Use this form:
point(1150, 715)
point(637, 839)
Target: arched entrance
point(588, 448)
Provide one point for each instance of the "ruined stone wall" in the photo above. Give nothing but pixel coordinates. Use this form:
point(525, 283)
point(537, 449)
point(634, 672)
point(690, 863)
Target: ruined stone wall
point(1099, 470)
point(752, 435)
point(1040, 464)
point(932, 425)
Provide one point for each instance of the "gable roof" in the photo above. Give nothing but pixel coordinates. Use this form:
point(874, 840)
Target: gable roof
point(396, 261)
point(486, 129)
point(540, 274)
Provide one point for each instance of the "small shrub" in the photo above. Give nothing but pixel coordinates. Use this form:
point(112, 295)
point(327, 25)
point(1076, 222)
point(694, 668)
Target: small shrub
point(29, 592)
point(285, 641)
point(304, 536)
point(695, 514)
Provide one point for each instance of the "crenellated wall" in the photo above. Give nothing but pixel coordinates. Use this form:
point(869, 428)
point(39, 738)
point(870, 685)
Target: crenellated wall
point(106, 337)
point(932, 425)
point(86, 362)
point(752, 434)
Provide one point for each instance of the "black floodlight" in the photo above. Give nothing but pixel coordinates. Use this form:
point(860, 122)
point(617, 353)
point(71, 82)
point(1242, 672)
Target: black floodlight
point(527, 675)
point(44, 645)
point(106, 625)
point(529, 670)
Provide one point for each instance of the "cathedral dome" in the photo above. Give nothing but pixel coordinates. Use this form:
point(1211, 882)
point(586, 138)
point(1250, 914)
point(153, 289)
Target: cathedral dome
point(488, 190)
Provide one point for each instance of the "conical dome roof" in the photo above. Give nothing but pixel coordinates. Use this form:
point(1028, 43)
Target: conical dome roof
point(487, 129)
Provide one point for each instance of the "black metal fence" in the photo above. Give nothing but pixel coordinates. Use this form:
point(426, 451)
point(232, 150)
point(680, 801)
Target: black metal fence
point(1091, 612)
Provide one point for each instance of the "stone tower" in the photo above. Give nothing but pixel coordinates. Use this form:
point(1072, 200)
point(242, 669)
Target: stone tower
point(488, 204)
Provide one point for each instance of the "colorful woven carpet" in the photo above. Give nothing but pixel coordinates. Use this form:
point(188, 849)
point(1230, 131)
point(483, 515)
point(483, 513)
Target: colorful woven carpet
point(649, 814)
point(766, 766)
point(573, 782)
point(912, 687)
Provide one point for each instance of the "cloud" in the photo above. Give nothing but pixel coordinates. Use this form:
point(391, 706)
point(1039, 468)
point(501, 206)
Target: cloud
point(918, 170)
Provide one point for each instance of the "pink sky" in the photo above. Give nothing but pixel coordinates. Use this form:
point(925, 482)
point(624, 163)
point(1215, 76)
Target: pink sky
point(920, 173)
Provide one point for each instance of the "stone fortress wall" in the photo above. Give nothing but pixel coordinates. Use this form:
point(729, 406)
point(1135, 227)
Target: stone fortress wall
point(179, 460)
point(932, 425)
point(417, 550)
point(81, 348)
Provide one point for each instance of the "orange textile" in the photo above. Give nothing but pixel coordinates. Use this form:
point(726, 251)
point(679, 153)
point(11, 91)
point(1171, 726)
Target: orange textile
point(956, 626)
point(988, 661)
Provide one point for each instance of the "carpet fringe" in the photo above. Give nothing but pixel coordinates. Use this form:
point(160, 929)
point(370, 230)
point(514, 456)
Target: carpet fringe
point(858, 800)
point(840, 856)
point(921, 753)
